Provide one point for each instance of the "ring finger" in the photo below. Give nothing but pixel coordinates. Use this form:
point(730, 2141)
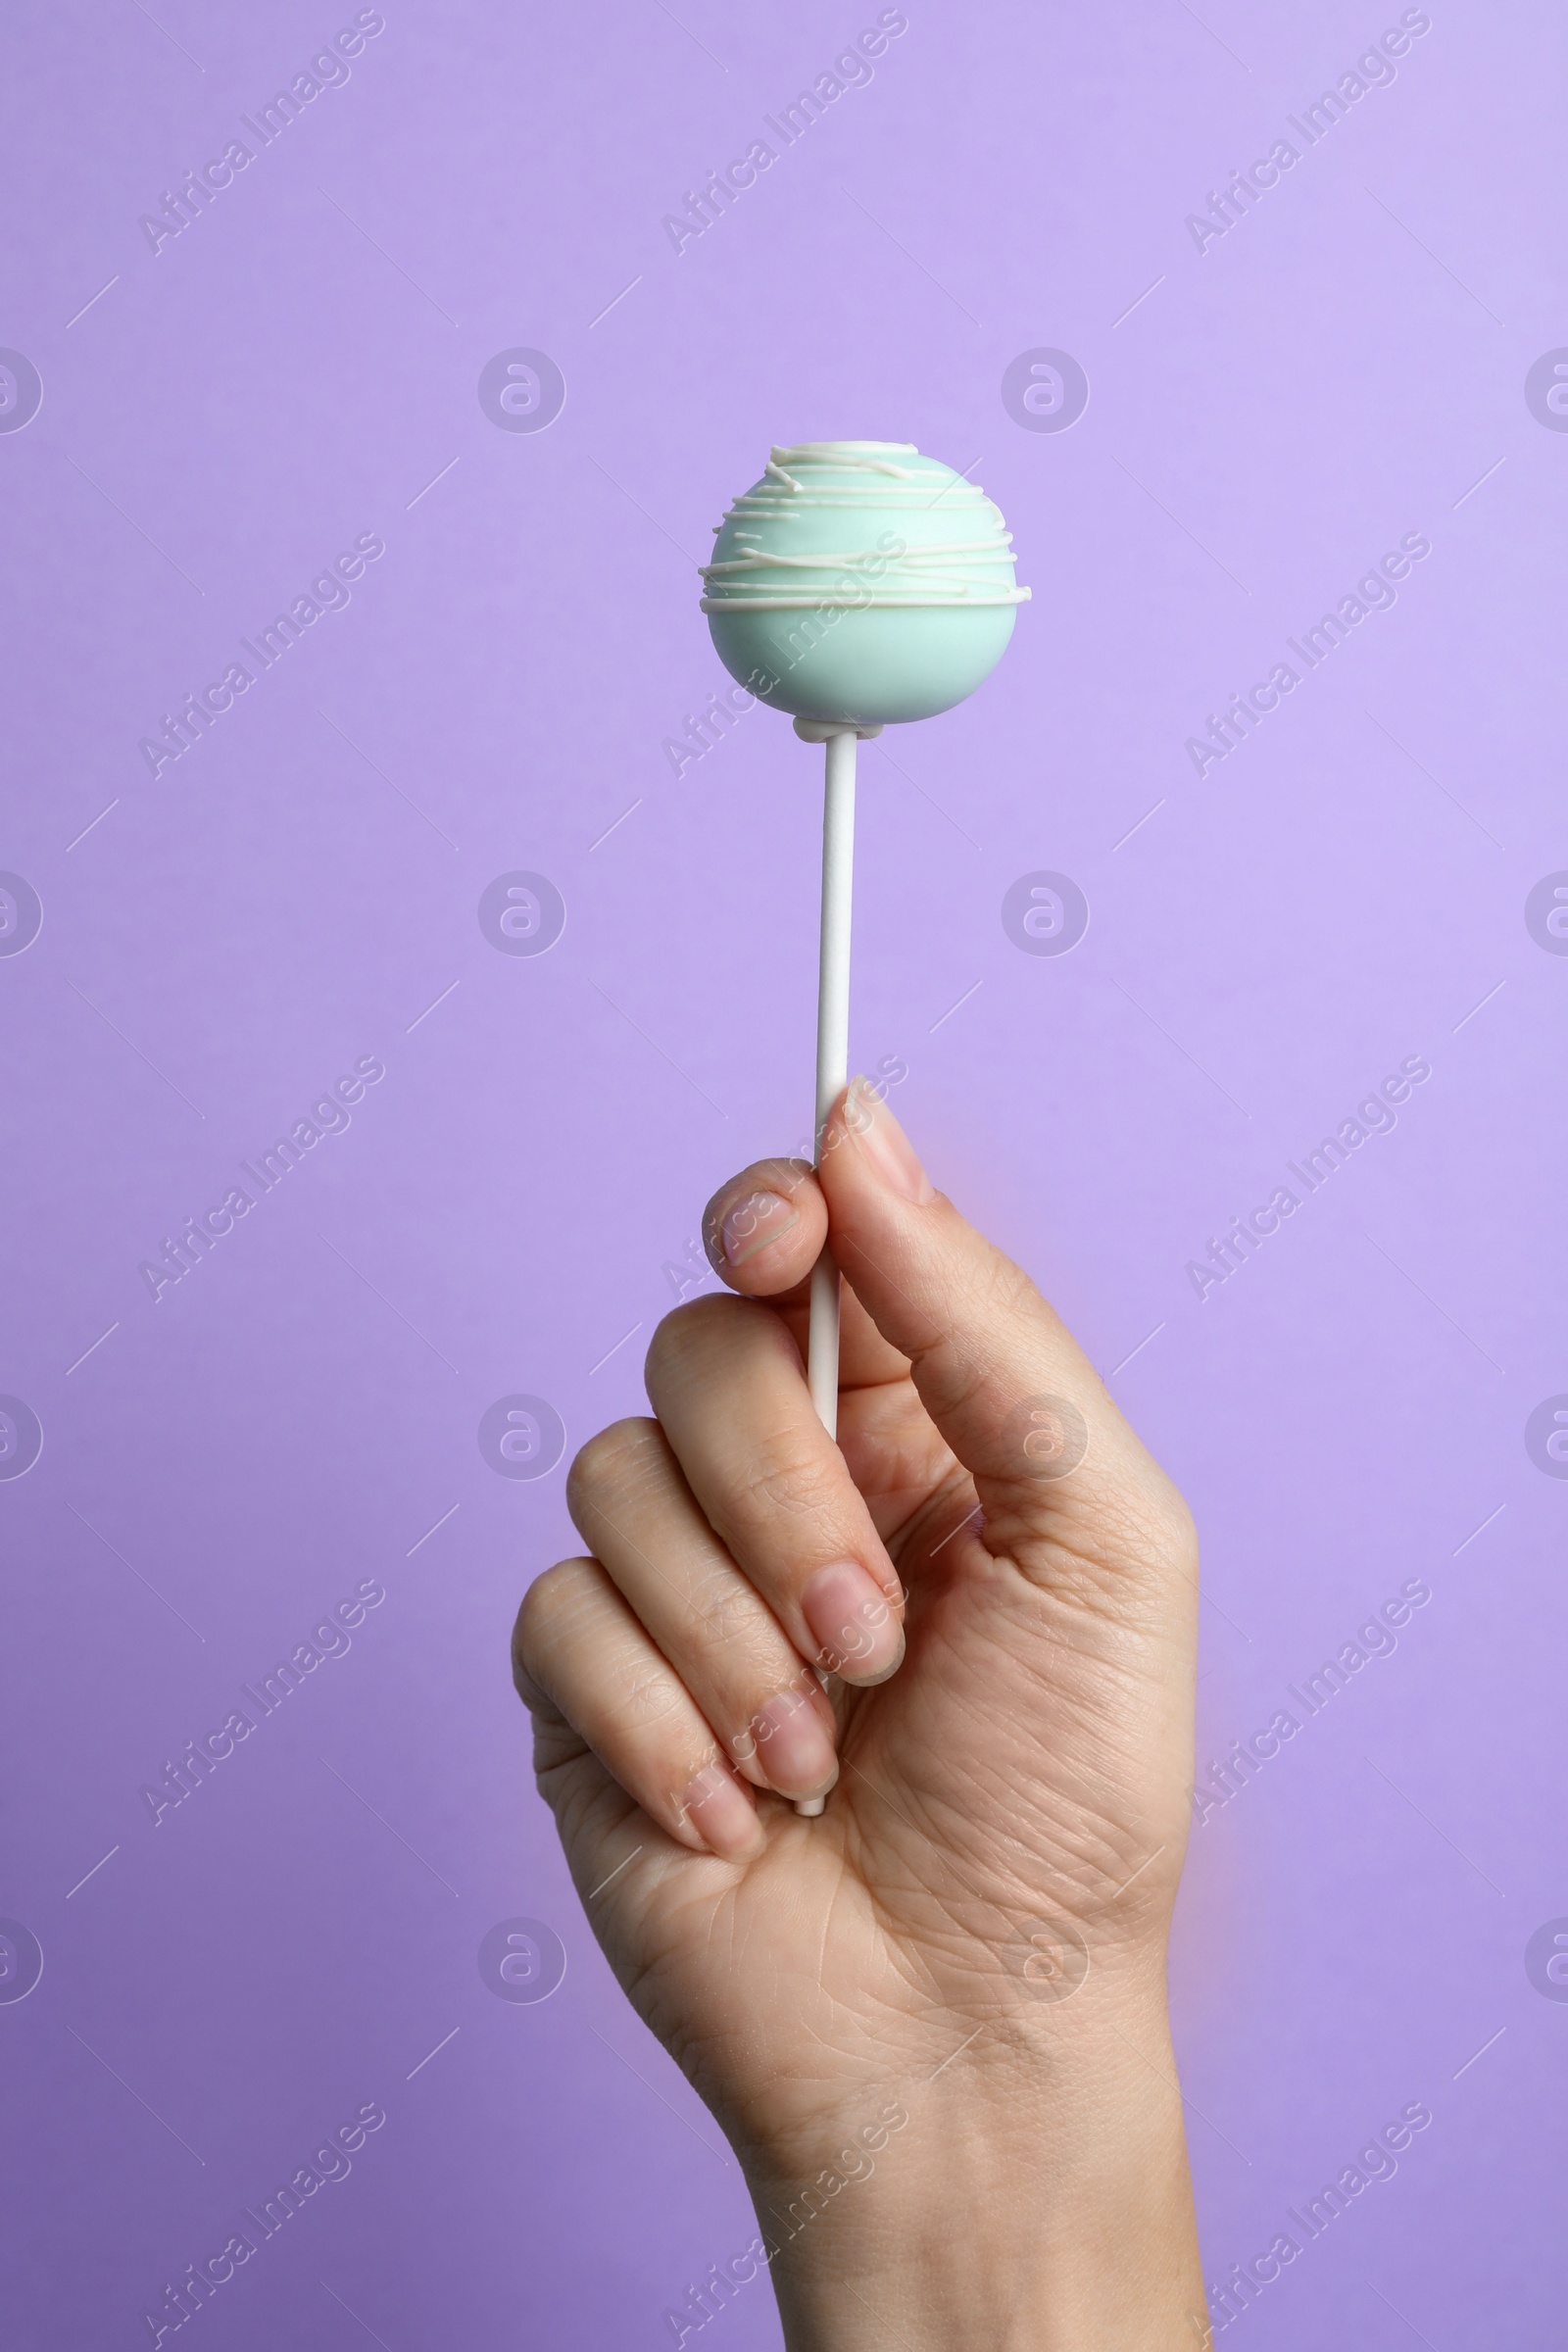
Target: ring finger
point(633, 1506)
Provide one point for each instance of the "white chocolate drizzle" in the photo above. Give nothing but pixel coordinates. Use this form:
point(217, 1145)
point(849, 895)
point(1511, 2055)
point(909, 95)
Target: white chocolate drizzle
point(974, 568)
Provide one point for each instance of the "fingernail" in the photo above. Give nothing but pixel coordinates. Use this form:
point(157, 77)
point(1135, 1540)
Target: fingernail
point(793, 1745)
point(721, 1814)
point(885, 1146)
point(853, 1620)
point(751, 1224)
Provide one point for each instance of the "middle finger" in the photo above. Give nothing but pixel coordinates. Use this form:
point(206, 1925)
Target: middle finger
point(724, 1378)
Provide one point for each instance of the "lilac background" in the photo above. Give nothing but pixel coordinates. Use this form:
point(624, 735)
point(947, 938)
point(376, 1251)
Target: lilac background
point(299, 367)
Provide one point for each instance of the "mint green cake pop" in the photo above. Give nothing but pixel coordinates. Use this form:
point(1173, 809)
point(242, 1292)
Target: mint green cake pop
point(862, 583)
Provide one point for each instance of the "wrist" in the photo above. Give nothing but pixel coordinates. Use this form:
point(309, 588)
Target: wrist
point(1030, 2195)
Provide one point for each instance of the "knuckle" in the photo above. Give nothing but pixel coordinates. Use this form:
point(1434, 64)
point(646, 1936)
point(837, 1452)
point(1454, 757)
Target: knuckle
point(548, 1606)
point(725, 1611)
point(651, 1699)
point(617, 1458)
point(1167, 1530)
point(684, 1333)
point(1181, 1528)
point(740, 1649)
point(793, 1479)
point(1008, 1292)
point(693, 1337)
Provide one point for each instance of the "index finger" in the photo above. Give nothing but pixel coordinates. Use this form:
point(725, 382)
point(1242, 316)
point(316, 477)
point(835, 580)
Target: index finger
point(763, 1232)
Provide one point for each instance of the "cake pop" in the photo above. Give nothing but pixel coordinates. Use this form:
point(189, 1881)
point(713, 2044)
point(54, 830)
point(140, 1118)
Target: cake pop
point(861, 584)
point(856, 585)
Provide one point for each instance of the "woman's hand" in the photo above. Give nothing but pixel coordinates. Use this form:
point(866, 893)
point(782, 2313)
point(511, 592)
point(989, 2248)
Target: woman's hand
point(1000, 1585)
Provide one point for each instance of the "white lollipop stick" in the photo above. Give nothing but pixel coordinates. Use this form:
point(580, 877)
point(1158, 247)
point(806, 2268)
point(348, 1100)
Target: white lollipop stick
point(832, 1048)
point(832, 1057)
point(832, 1025)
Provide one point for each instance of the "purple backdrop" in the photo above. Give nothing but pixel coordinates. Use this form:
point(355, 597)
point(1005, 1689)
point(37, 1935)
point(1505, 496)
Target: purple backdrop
point(303, 356)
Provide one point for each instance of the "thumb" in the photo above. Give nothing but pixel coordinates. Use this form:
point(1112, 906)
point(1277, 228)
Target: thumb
point(1054, 1465)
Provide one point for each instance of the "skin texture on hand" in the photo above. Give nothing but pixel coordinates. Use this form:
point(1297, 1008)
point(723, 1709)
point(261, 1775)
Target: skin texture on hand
point(1000, 1587)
